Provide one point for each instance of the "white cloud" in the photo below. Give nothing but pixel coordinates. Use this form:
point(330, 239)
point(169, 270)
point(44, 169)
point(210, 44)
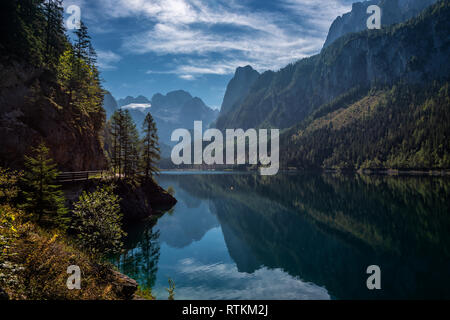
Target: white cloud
point(319, 14)
point(202, 66)
point(107, 59)
point(187, 77)
point(263, 39)
point(68, 3)
point(262, 284)
point(137, 106)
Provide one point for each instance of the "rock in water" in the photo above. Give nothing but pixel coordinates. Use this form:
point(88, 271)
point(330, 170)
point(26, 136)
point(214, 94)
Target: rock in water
point(124, 286)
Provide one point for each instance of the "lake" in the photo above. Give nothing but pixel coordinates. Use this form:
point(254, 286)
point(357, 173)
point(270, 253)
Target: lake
point(295, 236)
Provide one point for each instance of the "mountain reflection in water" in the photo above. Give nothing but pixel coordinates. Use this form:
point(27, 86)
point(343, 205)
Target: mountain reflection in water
point(296, 236)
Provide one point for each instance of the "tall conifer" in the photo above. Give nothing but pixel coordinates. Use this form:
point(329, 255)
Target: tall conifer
point(151, 151)
point(43, 199)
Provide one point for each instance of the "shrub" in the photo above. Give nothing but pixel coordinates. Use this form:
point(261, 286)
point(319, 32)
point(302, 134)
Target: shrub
point(145, 293)
point(98, 222)
point(11, 229)
point(171, 290)
point(9, 189)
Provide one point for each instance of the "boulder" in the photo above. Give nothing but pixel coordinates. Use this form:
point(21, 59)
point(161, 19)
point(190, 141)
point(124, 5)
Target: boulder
point(124, 286)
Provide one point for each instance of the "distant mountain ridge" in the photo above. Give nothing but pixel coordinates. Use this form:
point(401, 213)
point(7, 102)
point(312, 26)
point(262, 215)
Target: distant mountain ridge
point(129, 100)
point(171, 101)
point(176, 109)
point(393, 11)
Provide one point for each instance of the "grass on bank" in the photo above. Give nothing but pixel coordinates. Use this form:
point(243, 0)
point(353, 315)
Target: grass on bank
point(39, 239)
point(34, 264)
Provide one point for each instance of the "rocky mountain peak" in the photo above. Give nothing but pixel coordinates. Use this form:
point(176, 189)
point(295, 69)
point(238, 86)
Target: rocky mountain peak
point(393, 11)
point(238, 87)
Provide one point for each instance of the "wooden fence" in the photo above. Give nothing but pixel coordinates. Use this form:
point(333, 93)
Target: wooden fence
point(79, 176)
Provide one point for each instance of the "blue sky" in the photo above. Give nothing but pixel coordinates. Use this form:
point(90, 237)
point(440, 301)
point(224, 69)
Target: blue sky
point(150, 46)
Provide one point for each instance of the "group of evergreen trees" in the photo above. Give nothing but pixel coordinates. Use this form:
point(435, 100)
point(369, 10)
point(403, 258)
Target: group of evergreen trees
point(33, 31)
point(130, 155)
point(405, 127)
point(78, 74)
point(35, 36)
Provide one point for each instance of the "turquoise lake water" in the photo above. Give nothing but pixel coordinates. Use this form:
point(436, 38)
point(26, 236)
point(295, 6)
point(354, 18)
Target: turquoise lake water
point(295, 236)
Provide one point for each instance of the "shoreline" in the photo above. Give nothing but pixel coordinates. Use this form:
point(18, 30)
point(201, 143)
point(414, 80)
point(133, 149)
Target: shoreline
point(389, 172)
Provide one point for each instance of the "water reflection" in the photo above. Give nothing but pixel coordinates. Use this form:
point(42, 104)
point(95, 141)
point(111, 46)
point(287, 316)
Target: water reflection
point(302, 236)
point(141, 260)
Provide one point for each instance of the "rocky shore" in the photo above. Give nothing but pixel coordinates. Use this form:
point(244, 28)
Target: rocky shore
point(140, 199)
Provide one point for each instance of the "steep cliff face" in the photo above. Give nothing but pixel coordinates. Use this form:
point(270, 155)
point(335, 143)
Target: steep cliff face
point(33, 109)
point(238, 87)
point(109, 104)
point(393, 11)
point(413, 52)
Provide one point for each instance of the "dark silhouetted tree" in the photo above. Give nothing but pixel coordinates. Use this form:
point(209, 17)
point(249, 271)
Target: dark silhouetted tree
point(150, 146)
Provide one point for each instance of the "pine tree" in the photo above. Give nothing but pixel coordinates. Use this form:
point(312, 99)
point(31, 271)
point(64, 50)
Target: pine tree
point(82, 43)
point(130, 145)
point(92, 55)
point(125, 144)
point(116, 125)
point(135, 150)
point(54, 31)
point(66, 72)
point(42, 196)
point(80, 78)
point(81, 53)
point(151, 151)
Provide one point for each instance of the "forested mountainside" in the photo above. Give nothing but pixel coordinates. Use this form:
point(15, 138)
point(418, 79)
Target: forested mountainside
point(403, 127)
point(393, 11)
point(414, 52)
point(49, 89)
